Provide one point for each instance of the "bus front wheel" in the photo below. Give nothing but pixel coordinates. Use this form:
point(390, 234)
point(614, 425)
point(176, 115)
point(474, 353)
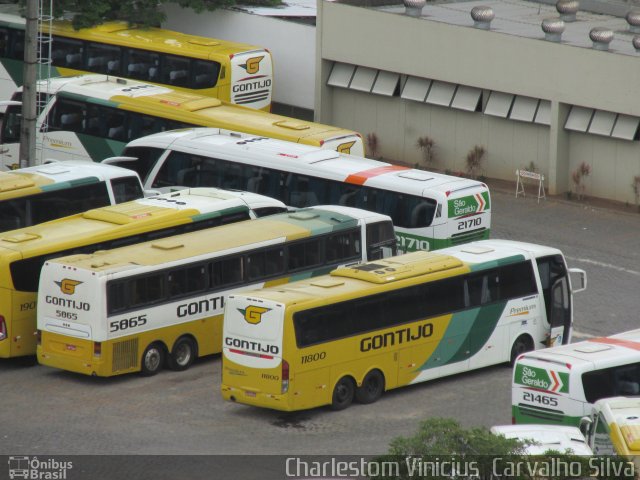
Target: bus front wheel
point(522, 345)
point(343, 394)
point(152, 360)
point(372, 387)
point(183, 354)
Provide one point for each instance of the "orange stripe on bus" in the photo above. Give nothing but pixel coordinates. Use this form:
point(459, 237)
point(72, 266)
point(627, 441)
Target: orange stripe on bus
point(615, 341)
point(360, 177)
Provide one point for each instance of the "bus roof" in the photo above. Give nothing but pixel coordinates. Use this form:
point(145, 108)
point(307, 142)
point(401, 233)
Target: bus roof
point(32, 180)
point(130, 217)
point(278, 227)
point(186, 107)
point(161, 40)
point(373, 275)
point(307, 159)
point(592, 350)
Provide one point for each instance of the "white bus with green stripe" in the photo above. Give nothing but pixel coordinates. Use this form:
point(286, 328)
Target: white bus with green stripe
point(429, 210)
point(33, 195)
point(560, 385)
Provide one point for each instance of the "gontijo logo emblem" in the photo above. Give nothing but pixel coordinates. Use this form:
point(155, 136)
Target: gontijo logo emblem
point(345, 147)
point(68, 286)
point(253, 64)
point(253, 314)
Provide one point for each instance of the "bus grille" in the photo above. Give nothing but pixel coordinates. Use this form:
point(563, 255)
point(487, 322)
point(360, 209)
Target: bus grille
point(125, 355)
point(547, 415)
point(460, 238)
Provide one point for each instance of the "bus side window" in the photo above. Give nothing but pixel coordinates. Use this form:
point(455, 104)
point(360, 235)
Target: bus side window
point(4, 42)
point(66, 53)
point(126, 189)
point(102, 59)
point(16, 47)
point(205, 74)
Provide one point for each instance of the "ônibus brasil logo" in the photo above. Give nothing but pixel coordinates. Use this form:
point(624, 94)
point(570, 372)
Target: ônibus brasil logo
point(253, 64)
point(68, 286)
point(253, 314)
point(542, 379)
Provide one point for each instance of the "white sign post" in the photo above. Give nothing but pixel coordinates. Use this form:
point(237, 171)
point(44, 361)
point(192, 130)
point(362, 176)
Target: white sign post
point(521, 175)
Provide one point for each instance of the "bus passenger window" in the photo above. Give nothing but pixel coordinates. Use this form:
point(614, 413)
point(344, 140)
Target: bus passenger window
point(102, 58)
point(206, 74)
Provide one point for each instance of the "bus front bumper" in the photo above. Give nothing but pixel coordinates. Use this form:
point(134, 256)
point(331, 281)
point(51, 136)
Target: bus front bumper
point(256, 399)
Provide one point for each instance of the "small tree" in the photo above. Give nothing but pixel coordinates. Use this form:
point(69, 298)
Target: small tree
point(475, 158)
point(427, 146)
point(578, 176)
point(439, 438)
point(372, 145)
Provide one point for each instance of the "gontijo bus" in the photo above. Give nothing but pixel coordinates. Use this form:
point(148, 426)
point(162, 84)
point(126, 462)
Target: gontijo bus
point(560, 385)
point(131, 308)
point(91, 117)
point(37, 194)
point(24, 251)
point(429, 210)
point(233, 72)
point(369, 328)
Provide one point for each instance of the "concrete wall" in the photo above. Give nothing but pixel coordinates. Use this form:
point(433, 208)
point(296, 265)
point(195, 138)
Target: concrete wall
point(292, 45)
point(565, 75)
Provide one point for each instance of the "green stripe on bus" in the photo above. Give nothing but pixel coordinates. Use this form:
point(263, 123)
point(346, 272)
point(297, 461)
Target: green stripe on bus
point(71, 183)
point(320, 221)
point(497, 263)
point(227, 211)
point(100, 148)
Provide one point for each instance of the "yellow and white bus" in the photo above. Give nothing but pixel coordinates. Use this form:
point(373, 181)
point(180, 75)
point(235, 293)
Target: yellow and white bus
point(429, 210)
point(91, 117)
point(560, 385)
point(233, 72)
point(33, 195)
point(388, 323)
point(132, 308)
point(24, 251)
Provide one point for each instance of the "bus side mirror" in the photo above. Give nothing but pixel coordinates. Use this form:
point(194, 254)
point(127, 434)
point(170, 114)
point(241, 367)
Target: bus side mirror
point(583, 279)
point(585, 426)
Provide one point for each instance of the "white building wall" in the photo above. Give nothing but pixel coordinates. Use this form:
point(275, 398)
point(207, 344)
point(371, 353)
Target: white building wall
point(292, 45)
point(563, 74)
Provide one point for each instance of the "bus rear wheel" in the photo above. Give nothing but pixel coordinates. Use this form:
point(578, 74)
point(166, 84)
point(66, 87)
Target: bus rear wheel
point(183, 354)
point(372, 387)
point(152, 360)
point(522, 345)
point(343, 394)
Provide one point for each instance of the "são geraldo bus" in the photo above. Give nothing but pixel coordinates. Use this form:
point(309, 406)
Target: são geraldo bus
point(369, 328)
point(37, 194)
point(91, 117)
point(132, 308)
point(429, 210)
point(24, 251)
point(230, 71)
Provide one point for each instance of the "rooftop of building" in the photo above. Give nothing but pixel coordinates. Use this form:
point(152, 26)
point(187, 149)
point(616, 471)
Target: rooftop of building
point(524, 19)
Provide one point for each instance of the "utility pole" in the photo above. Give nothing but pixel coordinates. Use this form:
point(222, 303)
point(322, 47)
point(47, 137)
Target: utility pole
point(29, 94)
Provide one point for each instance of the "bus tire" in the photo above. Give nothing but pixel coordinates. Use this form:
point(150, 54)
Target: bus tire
point(183, 353)
point(522, 345)
point(152, 360)
point(372, 387)
point(343, 393)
